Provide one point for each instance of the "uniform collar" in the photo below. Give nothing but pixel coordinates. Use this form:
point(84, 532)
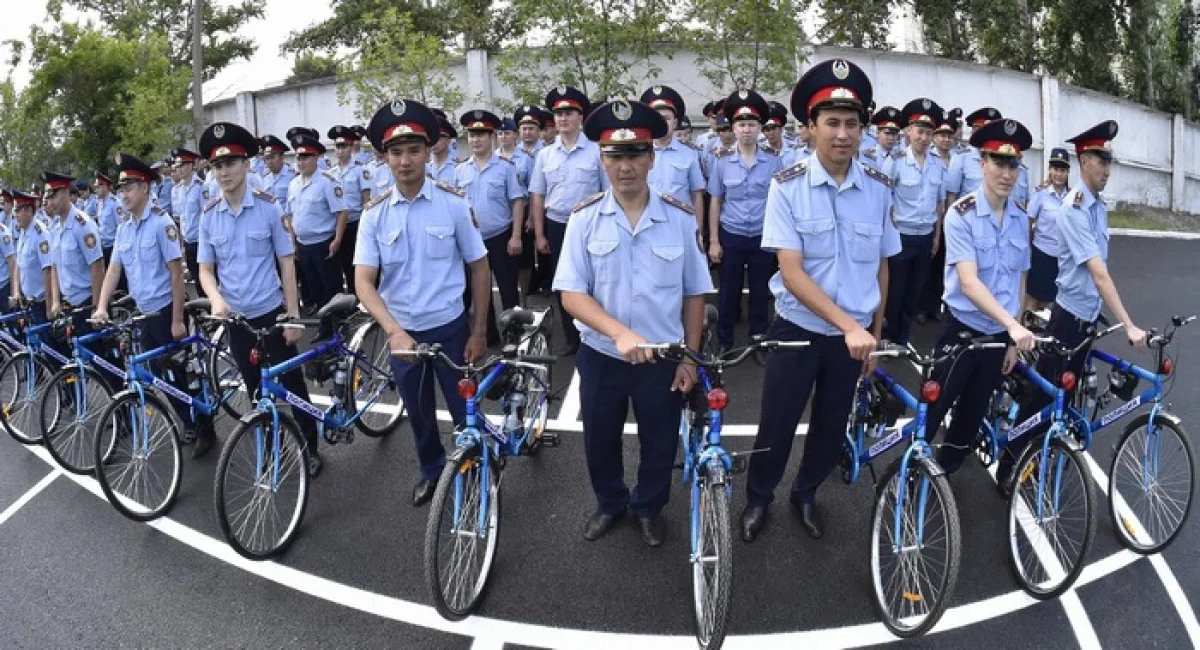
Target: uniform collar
point(652, 214)
point(247, 200)
point(817, 174)
point(983, 209)
point(580, 144)
point(426, 192)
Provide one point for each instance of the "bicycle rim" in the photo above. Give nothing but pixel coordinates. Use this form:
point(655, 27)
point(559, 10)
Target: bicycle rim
point(18, 396)
point(139, 463)
point(712, 564)
point(372, 386)
point(460, 545)
point(81, 400)
point(1150, 484)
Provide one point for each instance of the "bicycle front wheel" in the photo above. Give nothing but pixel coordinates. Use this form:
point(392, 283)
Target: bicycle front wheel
point(138, 459)
point(461, 536)
point(69, 410)
point(20, 378)
point(261, 487)
point(712, 563)
point(916, 547)
point(1150, 483)
point(1051, 518)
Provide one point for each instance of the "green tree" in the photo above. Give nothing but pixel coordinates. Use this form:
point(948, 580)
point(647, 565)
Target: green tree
point(309, 66)
point(467, 24)
point(945, 28)
point(857, 23)
point(1079, 39)
point(747, 44)
point(398, 61)
point(25, 149)
point(998, 43)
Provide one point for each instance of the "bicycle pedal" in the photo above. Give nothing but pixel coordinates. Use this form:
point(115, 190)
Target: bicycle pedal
point(549, 439)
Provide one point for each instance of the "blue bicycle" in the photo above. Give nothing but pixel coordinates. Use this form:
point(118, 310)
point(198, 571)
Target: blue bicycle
point(25, 373)
point(708, 471)
point(464, 515)
point(262, 478)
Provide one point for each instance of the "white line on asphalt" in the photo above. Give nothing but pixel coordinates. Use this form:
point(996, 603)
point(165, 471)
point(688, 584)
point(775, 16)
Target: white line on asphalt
point(1154, 234)
point(569, 411)
point(487, 643)
point(28, 496)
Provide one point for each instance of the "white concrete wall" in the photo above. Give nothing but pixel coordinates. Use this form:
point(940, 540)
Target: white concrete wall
point(1158, 157)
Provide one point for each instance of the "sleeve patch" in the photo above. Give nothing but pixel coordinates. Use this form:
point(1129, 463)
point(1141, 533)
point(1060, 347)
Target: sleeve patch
point(1078, 202)
point(89, 240)
point(337, 191)
point(44, 247)
point(172, 233)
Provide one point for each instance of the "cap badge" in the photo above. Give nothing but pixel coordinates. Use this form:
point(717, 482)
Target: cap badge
point(1010, 127)
point(657, 90)
point(841, 69)
point(1112, 129)
point(622, 110)
point(117, 159)
point(398, 107)
point(925, 104)
point(219, 131)
point(479, 115)
point(562, 90)
point(742, 94)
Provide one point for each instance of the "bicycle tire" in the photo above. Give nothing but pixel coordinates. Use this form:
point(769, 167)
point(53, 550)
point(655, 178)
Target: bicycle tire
point(71, 440)
point(224, 375)
point(539, 344)
point(114, 435)
point(1026, 471)
point(455, 476)
point(1179, 451)
point(295, 453)
point(713, 524)
point(923, 475)
point(372, 336)
point(17, 408)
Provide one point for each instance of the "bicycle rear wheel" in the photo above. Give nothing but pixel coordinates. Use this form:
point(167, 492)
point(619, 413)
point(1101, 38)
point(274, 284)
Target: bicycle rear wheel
point(20, 379)
point(916, 547)
point(372, 383)
point(535, 390)
point(138, 458)
point(1051, 518)
point(261, 487)
point(461, 536)
point(1150, 483)
point(69, 410)
point(226, 378)
point(712, 563)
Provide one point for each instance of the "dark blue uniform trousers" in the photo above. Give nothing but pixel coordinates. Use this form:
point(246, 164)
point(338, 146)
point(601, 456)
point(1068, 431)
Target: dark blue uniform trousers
point(737, 254)
point(320, 276)
point(156, 333)
point(606, 388)
point(788, 382)
point(907, 274)
point(555, 232)
point(968, 382)
point(415, 382)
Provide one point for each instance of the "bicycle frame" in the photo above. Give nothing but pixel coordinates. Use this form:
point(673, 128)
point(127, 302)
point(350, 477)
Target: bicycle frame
point(138, 376)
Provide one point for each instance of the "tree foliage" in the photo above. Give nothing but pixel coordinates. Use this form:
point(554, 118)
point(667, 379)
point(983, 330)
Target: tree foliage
point(467, 24)
point(747, 43)
point(857, 23)
point(309, 66)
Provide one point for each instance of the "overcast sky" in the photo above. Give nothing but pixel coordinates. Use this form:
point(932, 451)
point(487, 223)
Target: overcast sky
point(266, 68)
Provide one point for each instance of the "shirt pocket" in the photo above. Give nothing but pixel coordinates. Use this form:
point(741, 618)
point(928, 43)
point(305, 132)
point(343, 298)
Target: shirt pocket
point(439, 241)
point(1016, 253)
point(495, 189)
point(864, 247)
point(667, 266)
point(817, 238)
point(603, 257)
point(678, 175)
point(124, 253)
point(258, 242)
point(554, 176)
point(909, 190)
point(391, 251)
point(985, 252)
point(67, 242)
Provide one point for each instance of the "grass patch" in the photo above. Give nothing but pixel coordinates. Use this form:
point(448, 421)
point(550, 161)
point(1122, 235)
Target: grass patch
point(1141, 221)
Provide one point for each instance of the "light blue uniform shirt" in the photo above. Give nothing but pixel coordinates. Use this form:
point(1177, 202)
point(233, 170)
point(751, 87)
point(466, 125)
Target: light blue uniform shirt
point(89, 207)
point(966, 173)
point(144, 247)
point(639, 275)
point(352, 180)
point(33, 257)
point(165, 194)
point(443, 172)
point(8, 248)
point(676, 171)
point(795, 155)
point(380, 178)
point(490, 192)
point(364, 157)
point(258, 165)
point(841, 232)
point(524, 164)
point(278, 184)
point(742, 189)
point(189, 203)
point(916, 191)
point(106, 219)
point(565, 178)
point(74, 246)
point(1020, 192)
point(1042, 210)
point(1000, 251)
point(420, 247)
point(244, 248)
point(1082, 222)
point(313, 206)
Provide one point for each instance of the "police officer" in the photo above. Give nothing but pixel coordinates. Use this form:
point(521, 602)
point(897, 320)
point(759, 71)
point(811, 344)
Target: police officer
point(705, 139)
point(415, 237)
point(105, 213)
point(75, 250)
point(33, 268)
point(243, 240)
point(676, 169)
point(442, 161)
point(772, 129)
point(7, 205)
point(828, 220)
point(497, 198)
point(630, 274)
point(364, 153)
point(529, 129)
point(683, 131)
point(8, 249)
point(549, 126)
point(147, 249)
point(355, 191)
point(566, 172)
point(1043, 271)
point(277, 174)
point(945, 140)
point(188, 199)
point(917, 191)
point(966, 171)
point(506, 148)
point(1083, 278)
point(737, 185)
point(987, 256)
point(316, 210)
point(161, 192)
point(887, 131)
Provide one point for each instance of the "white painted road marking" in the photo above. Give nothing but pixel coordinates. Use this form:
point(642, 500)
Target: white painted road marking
point(28, 496)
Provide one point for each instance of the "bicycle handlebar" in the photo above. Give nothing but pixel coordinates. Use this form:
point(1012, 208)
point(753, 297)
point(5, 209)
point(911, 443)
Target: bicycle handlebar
point(435, 351)
point(1164, 339)
point(672, 352)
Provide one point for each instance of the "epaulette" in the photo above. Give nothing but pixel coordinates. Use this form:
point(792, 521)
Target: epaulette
point(1021, 204)
point(329, 173)
point(671, 200)
point(588, 201)
point(965, 203)
point(264, 195)
point(795, 171)
point(878, 175)
point(769, 149)
point(79, 219)
point(211, 204)
point(446, 187)
point(156, 210)
point(694, 147)
point(37, 227)
point(869, 153)
point(377, 199)
point(1078, 201)
point(507, 160)
point(722, 152)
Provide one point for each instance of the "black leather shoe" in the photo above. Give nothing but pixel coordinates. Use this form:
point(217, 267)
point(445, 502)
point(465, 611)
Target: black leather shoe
point(422, 493)
point(599, 524)
point(568, 350)
point(754, 517)
point(654, 530)
point(314, 464)
point(204, 444)
point(810, 518)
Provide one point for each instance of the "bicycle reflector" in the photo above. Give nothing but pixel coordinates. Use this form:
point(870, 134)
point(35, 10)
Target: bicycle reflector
point(466, 388)
point(931, 391)
point(1068, 381)
point(70, 331)
point(254, 356)
point(718, 399)
point(1166, 366)
point(123, 347)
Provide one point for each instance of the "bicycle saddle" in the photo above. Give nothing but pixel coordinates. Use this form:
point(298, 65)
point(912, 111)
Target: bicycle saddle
point(340, 306)
point(515, 319)
point(199, 305)
point(710, 315)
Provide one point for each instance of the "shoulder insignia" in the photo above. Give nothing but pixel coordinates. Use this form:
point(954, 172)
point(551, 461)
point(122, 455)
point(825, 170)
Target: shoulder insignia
point(769, 149)
point(670, 200)
point(965, 203)
point(157, 210)
point(721, 152)
point(264, 195)
point(795, 171)
point(508, 160)
point(446, 187)
point(211, 204)
point(878, 175)
point(1077, 202)
point(377, 199)
point(869, 152)
point(1021, 204)
point(172, 233)
point(79, 218)
point(37, 227)
point(693, 146)
point(330, 174)
point(89, 240)
point(588, 201)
